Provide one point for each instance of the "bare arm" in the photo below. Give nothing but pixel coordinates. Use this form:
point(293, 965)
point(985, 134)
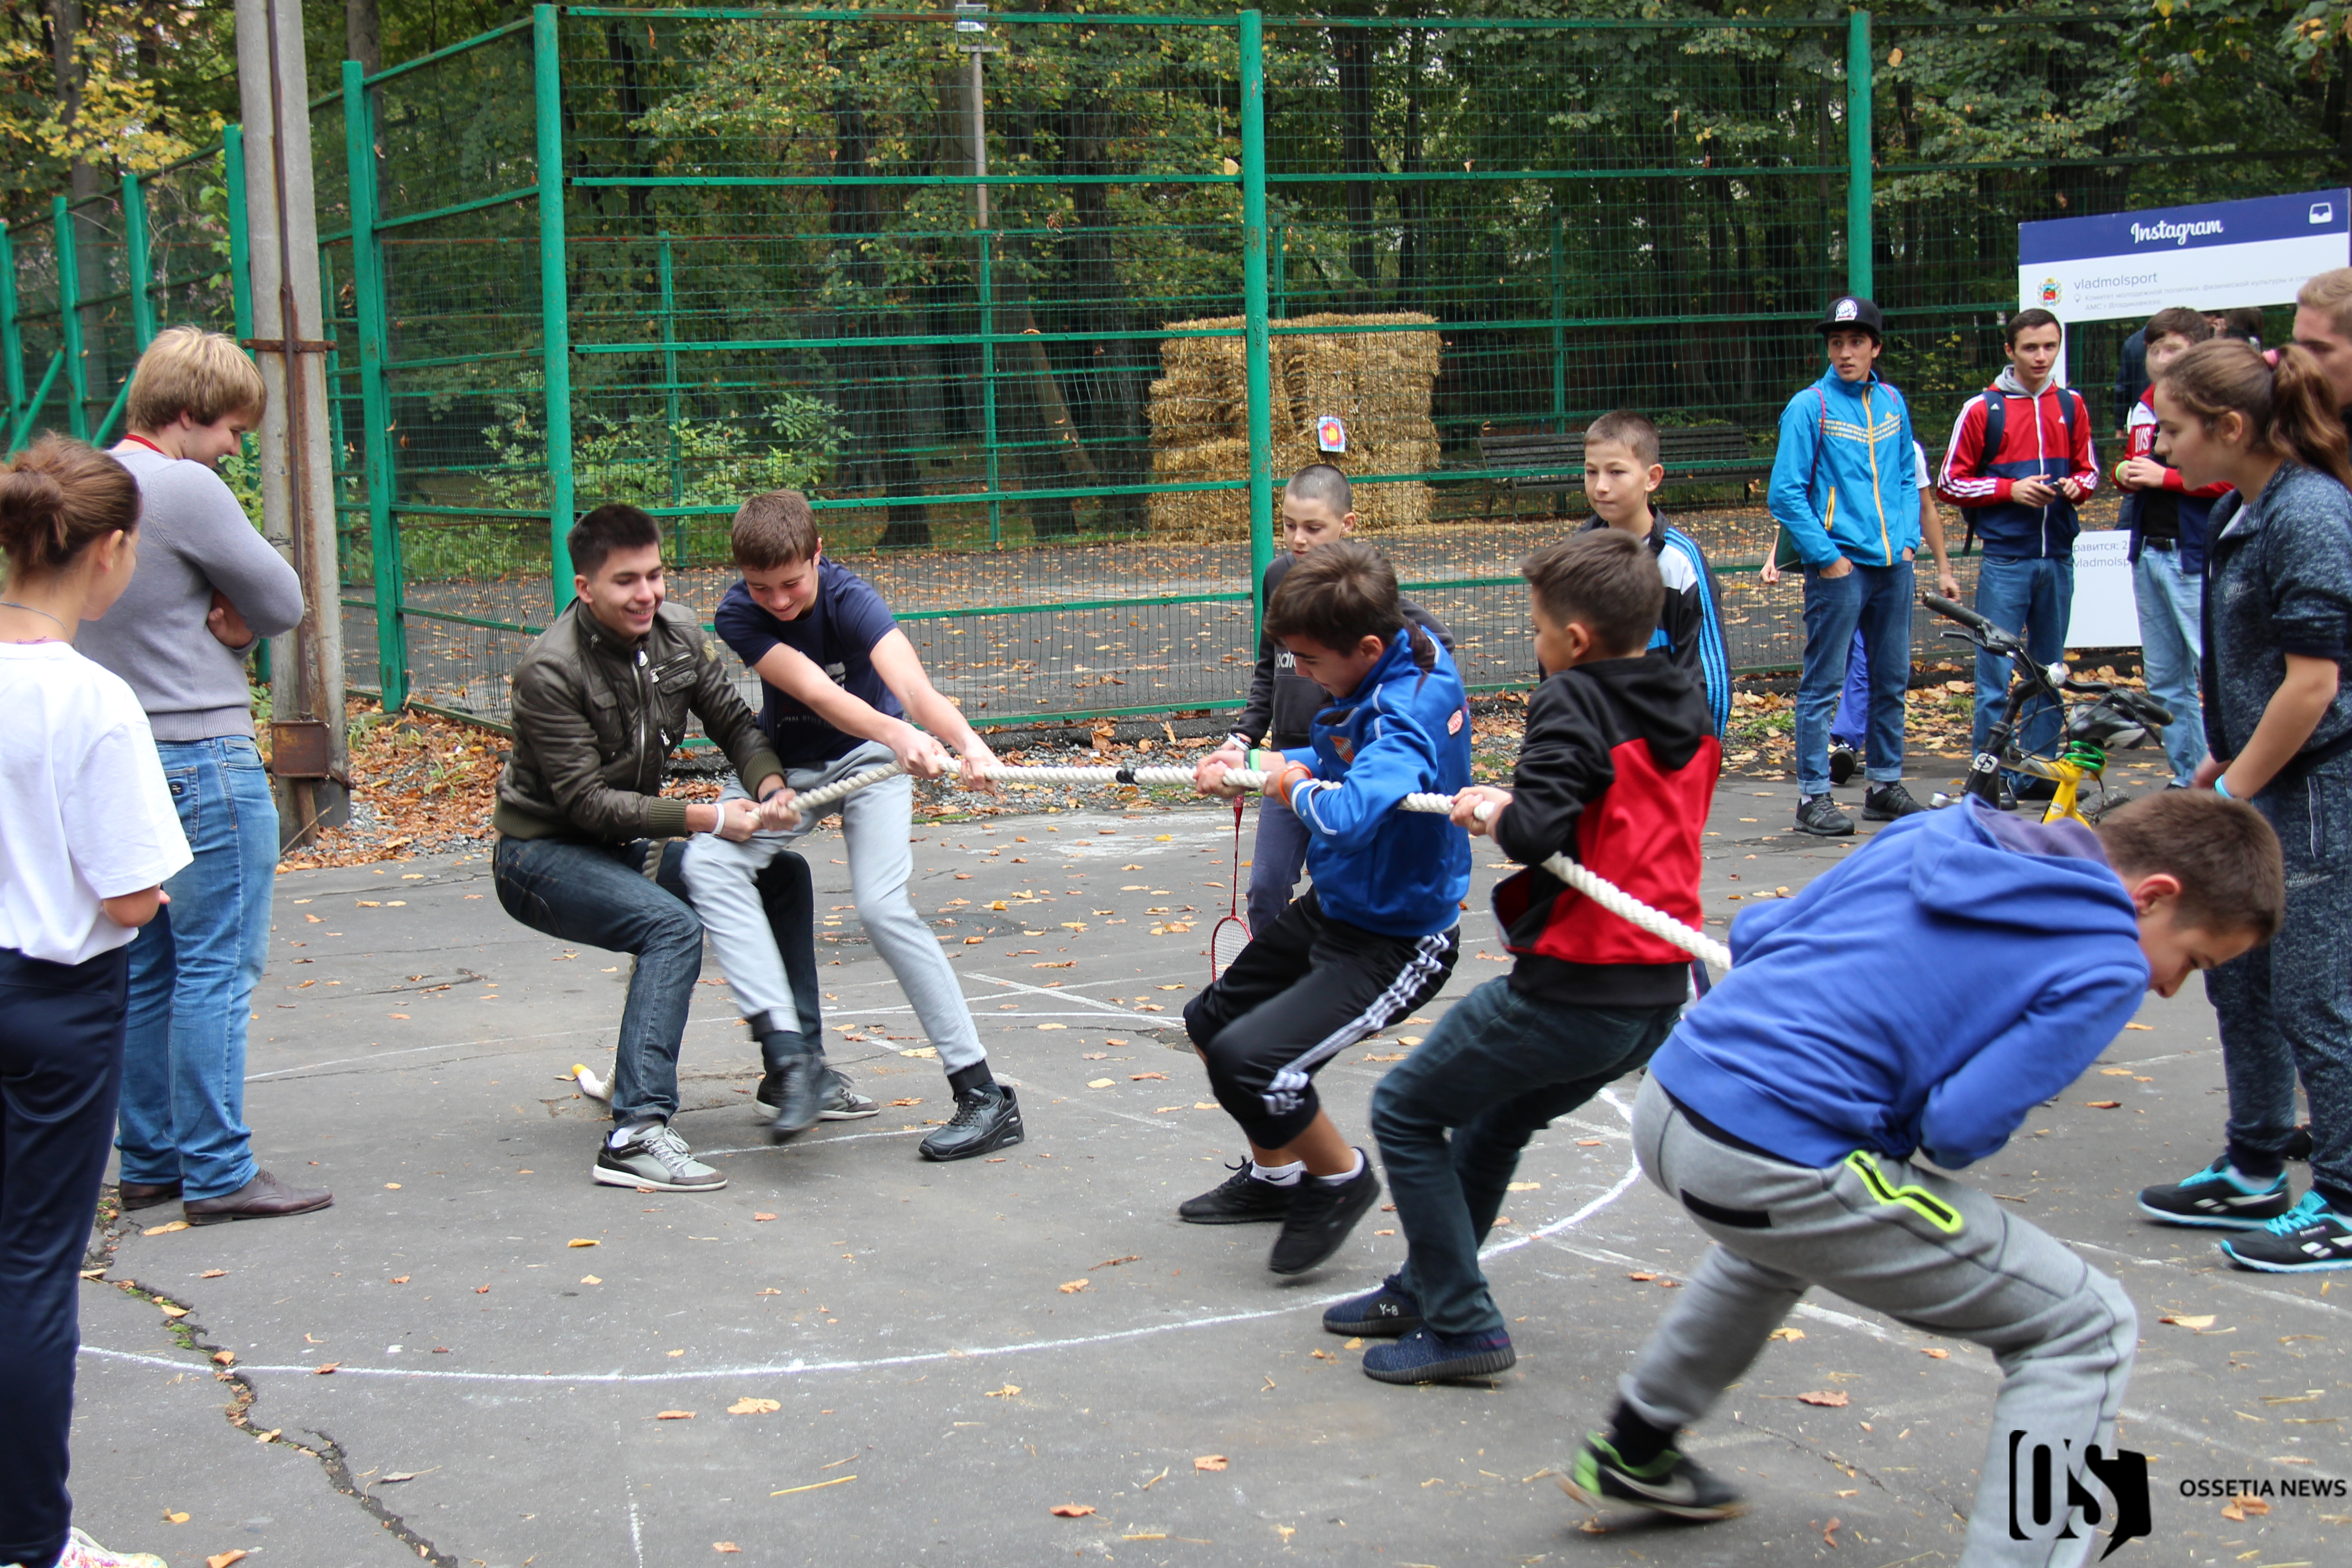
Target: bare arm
point(2294, 711)
point(797, 676)
point(132, 910)
point(902, 672)
point(1931, 529)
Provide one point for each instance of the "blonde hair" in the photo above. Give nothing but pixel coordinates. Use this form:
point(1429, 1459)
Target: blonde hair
point(2330, 294)
point(189, 371)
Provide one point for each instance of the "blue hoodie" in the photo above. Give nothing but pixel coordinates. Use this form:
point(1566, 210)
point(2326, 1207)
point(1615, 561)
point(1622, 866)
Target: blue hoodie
point(1844, 479)
point(1400, 733)
point(2008, 957)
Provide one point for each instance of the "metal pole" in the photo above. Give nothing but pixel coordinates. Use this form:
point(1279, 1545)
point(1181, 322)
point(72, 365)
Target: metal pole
point(1559, 324)
point(1278, 277)
point(375, 405)
point(240, 240)
point(70, 319)
point(979, 138)
point(1857, 154)
point(988, 389)
point(670, 413)
point(12, 346)
point(554, 292)
point(1257, 350)
point(140, 264)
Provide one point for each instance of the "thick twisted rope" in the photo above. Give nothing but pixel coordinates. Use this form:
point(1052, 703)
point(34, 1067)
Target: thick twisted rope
point(1607, 894)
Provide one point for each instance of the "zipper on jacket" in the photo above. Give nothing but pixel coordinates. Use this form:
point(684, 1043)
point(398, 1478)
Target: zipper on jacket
point(644, 714)
point(1870, 442)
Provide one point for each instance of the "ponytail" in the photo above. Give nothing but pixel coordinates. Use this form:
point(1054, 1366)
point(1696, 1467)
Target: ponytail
point(57, 498)
point(2287, 403)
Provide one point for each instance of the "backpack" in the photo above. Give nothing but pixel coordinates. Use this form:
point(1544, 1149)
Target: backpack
point(1996, 421)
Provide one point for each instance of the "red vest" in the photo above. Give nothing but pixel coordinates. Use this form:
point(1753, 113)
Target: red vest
point(1641, 835)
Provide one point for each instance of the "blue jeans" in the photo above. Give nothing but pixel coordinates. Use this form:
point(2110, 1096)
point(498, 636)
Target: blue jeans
point(192, 971)
point(2285, 1009)
point(1275, 861)
point(2034, 598)
point(1497, 1069)
point(60, 1061)
point(1852, 718)
point(1875, 600)
point(2171, 633)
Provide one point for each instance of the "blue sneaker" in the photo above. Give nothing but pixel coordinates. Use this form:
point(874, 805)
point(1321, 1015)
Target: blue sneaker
point(1422, 1356)
point(2309, 1238)
point(1384, 1313)
point(2219, 1198)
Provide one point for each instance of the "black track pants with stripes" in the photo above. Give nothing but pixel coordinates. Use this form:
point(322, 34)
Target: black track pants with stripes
point(1303, 991)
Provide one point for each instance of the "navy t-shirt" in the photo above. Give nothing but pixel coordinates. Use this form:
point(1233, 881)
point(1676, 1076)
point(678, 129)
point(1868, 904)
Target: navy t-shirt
point(844, 622)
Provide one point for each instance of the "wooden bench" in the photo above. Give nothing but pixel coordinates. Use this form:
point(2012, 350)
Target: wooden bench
point(1691, 454)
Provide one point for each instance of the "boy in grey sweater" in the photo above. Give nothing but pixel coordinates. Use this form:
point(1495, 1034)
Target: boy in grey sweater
point(207, 585)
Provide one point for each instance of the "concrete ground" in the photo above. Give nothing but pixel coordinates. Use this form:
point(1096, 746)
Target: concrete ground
point(478, 1357)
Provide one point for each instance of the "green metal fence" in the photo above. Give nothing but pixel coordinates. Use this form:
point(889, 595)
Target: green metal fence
point(1040, 308)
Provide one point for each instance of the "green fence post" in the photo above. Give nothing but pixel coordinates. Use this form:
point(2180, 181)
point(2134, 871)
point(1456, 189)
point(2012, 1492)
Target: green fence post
point(670, 413)
point(554, 292)
point(1257, 350)
point(1559, 324)
point(375, 411)
point(69, 319)
point(12, 346)
point(988, 388)
point(1857, 154)
point(140, 265)
point(240, 242)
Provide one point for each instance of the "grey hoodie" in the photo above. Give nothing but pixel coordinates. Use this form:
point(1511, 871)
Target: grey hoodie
point(2278, 580)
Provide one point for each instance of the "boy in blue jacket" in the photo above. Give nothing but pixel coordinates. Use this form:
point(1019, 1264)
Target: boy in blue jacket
point(1846, 490)
point(1786, 1129)
point(1375, 936)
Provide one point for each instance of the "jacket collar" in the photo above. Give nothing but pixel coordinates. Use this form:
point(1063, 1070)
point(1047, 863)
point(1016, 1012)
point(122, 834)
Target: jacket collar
point(1656, 539)
point(2007, 382)
point(1831, 381)
point(595, 636)
point(2234, 518)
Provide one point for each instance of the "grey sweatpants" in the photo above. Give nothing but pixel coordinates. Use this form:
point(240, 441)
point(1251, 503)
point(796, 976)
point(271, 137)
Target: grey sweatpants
point(1920, 1247)
point(875, 822)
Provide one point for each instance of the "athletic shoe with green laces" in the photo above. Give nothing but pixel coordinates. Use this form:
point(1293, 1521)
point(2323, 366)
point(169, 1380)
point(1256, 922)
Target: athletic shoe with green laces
point(1672, 1483)
point(2218, 1199)
point(2309, 1238)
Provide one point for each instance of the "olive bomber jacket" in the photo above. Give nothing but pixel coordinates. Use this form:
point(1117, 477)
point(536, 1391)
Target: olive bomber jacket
point(595, 717)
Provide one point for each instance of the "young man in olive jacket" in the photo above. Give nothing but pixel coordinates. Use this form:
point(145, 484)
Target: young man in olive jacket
point(590, 851)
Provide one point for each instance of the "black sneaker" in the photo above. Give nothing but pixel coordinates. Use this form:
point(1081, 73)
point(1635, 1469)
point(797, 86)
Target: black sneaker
point(2298, 1146)
point(1321, 1215)
point(1672, 1483)
point(1888, 802)
point(843, 1103)
point(1426, 1356)
point(2218, 1199)
point(1387, 1312)
point(1240, 1199)
point(1844, 762)
point(1819, 815)
point(986, 1120)
point(2007, 799)
point(2309, 1238)
point(793, 1094)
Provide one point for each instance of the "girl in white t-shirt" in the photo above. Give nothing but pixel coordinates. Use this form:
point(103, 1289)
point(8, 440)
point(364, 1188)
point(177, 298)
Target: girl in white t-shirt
point(88, 835)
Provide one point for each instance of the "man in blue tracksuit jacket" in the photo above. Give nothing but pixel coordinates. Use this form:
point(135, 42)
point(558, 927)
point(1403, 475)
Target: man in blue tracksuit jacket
point(1845, 487)
point(1783, 1112)
point(1378, 933)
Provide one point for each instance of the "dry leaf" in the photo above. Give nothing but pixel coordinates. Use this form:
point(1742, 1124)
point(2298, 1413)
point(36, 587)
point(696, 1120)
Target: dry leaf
point(392, 1477)
point(235, 1554)
point(481, 1290)
point(1141, 1077)
point(674, 1415)
point(583, 1241)
point(1834, 1397)
point(2149, 1028)
point(1072, 1286)
point(1007, 1392)
point(591, 1279)
point(400, 1278)
point(1590, 1143)
point(762, 1218)
point(1210, 1462)
point(1356, 1344)
point(1053, 1025)
point(2104, 1104)
point(162, 1229)
point(1524, 1187)
point(1938, 1351)
point(1115, 1262)
point(1787, 1335)
point(1206, 1105)
point(750, 1405)
point(1100, 1083)
point(724, 1546)
point(171, 1311)
point(2204, 1321)
point(176, 1519)
point(224, 1358)
point(1071, 1509)
point(327, 1368)
point(1641, 1278)
point(1828, 1530)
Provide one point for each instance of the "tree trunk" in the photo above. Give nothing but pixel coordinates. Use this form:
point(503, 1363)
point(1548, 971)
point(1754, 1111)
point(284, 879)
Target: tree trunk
point(1351, 52)
point(1111, 395)
point(363, 33)
point(1412, 197)
point(82, 183)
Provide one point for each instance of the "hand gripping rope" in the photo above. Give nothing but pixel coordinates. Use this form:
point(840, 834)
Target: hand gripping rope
point(1608, 894)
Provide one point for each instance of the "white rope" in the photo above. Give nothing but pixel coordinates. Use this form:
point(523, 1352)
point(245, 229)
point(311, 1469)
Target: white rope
point(1607, 894)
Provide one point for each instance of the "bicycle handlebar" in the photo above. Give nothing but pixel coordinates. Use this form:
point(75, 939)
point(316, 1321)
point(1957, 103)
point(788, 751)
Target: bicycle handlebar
point(1951, 611)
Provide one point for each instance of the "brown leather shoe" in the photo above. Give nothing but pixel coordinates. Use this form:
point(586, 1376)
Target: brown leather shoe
point(264, 1197)
point(145, 1195)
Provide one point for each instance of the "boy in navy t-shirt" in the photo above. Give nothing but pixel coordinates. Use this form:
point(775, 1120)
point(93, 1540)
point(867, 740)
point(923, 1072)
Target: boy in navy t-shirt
point(839, 681)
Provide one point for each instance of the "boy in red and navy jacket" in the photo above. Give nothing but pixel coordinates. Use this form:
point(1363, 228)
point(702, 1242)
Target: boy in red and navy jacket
point(1616, 772)
point(2019, 462)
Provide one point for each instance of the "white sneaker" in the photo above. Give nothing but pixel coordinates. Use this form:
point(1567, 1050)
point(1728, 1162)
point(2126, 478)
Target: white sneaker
point(82, 1552)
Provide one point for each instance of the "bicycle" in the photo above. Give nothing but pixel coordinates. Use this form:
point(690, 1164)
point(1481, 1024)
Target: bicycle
point(2117, 719)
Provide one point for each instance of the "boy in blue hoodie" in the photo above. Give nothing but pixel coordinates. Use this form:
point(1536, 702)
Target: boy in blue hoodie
point(1786, 1129)
point(1846, 489)
point(1375, 936)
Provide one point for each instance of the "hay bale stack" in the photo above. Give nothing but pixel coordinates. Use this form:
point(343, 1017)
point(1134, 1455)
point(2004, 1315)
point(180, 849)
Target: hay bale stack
point(1380, 382)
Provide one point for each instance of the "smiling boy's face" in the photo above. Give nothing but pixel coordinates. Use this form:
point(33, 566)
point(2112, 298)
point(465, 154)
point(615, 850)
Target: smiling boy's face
point(1337, 670)
point(785, 592)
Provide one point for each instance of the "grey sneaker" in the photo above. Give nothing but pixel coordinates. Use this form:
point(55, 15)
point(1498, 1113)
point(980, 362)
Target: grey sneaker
point(843, 1103)
point(656, 1158)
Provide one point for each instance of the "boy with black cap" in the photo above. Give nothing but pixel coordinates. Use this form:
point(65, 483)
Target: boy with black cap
point(1846, 489)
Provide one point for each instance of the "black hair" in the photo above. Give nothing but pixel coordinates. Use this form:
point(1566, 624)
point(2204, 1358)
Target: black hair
point(615, 525)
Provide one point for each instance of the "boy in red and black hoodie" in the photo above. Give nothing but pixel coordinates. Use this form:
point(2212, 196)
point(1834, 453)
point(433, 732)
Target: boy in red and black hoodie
point(1616, 772)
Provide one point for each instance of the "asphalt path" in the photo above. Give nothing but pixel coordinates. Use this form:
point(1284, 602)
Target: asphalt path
point(480, 1359)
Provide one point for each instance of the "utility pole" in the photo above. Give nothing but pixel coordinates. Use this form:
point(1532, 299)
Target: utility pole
point(310, 754)
point(972, 28)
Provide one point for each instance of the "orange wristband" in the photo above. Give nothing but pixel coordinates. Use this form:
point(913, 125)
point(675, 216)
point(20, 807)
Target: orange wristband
point(1287, 778)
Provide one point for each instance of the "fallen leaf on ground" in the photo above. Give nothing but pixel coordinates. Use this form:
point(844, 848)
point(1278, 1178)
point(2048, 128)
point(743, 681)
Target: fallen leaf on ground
point(1787, 1335)
point(1211, 1462)
point(224, 1358)
point(176, 1519)
point(161, 1229)
point(1938, 1351)
point(481, 1290)
point(212, 1274)
point(2149, 1028)
point(1115, 1262)
point(1524, 1187)
point(1835, 1398)
point(724, 1546)
point(674, 1415)
point(1828, 1530)
point(323, 1371)
point(1072, 1288)
point(171, 1311)
point(1141, 1077)
point(1071, 1509)
point(1092, 1056)
point(759, 1218)
point(2204, 1321)
point(1353, 1345)
point(1100, 1083)
point(234, 1554)
point(1007, 1392)
point(591, 1279)
point(750, 1405)
point(2104, 1104)
point(1053, 1025)
point(1590, 1143)
point(389, 1477)
point(400, 1278)
point(914, 1100)
point(1641, 1278)
point(583, 1241)
point(1206, 1105)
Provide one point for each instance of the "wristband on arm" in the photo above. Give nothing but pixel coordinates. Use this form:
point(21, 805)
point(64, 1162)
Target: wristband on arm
point(2221, 787)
